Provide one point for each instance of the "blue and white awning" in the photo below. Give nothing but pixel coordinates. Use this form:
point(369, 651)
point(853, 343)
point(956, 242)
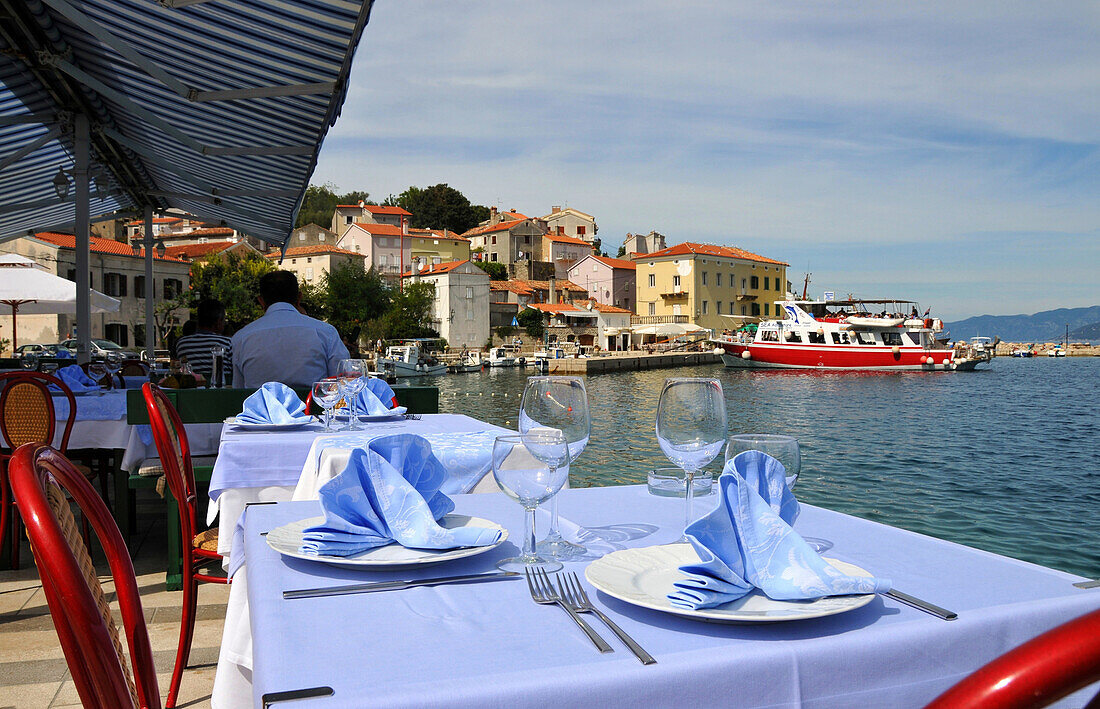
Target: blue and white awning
point(215, 107)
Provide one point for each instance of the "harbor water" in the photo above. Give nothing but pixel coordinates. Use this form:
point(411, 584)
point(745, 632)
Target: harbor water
point(1005, 458)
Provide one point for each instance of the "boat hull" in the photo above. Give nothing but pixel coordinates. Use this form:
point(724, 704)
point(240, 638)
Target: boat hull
point(844, 358)
point(404, 369)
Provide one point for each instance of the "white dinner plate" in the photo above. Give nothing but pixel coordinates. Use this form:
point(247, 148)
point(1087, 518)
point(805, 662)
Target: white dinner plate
point(644, 577)
point(232, 421)
point(287, 540)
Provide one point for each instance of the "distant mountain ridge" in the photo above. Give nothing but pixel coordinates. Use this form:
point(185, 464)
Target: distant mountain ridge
point(1047, 326)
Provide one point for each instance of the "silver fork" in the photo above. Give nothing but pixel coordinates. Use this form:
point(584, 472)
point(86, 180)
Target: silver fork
point(574, 594)
point(542, 591)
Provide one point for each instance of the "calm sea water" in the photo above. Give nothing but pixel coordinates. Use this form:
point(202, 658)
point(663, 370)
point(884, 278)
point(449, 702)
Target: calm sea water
point(1006, 459)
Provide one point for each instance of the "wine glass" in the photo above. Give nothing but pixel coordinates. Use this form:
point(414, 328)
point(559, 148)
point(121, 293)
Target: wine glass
point(782, 448)
point(691, 428)
point(113, 362)
point(561, 403)
point(352, 373)
point(97, 371)
point(30, 362)
point(530, 468)
point(327, 394)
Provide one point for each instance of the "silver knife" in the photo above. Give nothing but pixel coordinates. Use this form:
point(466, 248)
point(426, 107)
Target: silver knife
point(373, 586)
point(1087, 584)
point(920, 605)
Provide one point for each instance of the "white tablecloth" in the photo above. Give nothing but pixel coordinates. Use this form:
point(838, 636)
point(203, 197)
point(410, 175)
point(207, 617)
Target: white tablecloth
point(490, 645)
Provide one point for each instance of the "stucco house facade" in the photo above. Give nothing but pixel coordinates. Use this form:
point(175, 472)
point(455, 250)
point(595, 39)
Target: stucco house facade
point(507, 237)
point(563, 252)
point(347, 214)
point(461, 305)
point(310, 263)
point(386, 248)
point(571, 222)
point(609, 281)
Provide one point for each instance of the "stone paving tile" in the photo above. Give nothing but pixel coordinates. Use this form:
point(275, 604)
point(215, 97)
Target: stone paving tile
point(27, 696)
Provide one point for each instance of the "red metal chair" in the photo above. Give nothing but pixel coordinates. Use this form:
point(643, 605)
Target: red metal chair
point(81, 615)
point(199, 549)
point(27, 416)
point(1036, 674)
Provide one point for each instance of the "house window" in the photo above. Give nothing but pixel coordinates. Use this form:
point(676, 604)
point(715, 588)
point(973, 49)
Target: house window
point(469, 291)
point(309, 259)
point(766, 283)
point(744, 285)
point(114, 284)
point(767, 308)
point(626, 303)
point(652, 308)
point(580, 230)
point(704, 307)
point(718, 307)
point(469, 313)
point(309, 274)
point(493, 256)
point(320, 237)
point(293, 261)
point(718, 279)
point(494, 239)
point(755, 281)
point(383, 260)
point(139, 291)
point(675, 280)
point(756, 308)
point(435, 260)
point(116, 332)
point(71, 275)
point(595, 267)
point(743, 310)
point(172, 288)
point(139, 335)
point(347, 220)
point(704, 278)
point(357, 247)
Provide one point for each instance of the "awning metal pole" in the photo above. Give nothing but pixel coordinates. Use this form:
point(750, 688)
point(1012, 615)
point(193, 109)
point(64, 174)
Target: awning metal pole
point(83, 241)
point(150, 288)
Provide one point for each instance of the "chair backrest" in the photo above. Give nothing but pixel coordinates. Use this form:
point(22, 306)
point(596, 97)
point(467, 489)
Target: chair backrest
point(94, 653)
point(1035, 674)
point(134, 368)
point(170, 438)
point(27, 411)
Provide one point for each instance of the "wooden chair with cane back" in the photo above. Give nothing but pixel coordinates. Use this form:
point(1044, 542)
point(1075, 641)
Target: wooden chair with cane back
point(27, 415)
point(200, 549)
point(99, 662)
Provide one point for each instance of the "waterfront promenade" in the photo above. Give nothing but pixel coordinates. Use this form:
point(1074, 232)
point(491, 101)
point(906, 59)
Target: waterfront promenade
point(629, 361)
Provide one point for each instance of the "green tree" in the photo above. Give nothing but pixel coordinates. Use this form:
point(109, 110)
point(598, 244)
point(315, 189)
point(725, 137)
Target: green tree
point(622, 252)
point(319, 204)
point(439, 207)
point(235, 281)
point(497, 271)
point(531, 321)
point(409, 315)
point(349, 297)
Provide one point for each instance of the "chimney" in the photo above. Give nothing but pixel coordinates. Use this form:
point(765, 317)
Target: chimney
point(494, 217)
point(362, 204)
point(553, 288)
point(555, 209)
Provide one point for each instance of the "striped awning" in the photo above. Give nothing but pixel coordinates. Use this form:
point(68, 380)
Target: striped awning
point(214, 107)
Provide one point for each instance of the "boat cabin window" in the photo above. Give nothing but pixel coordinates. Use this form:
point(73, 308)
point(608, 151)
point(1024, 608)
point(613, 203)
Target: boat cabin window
point(865, 338)
point(817, 338)
point(913, 337)
point(769, 336)
point(891, 338)
point(841, 338)
point(793, 336)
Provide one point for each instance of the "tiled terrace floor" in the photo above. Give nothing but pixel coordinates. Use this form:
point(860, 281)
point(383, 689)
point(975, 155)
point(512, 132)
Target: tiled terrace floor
point(33, 673)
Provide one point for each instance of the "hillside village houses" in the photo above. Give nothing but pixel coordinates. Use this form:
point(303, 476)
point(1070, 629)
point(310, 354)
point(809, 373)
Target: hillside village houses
point(608, 280)
point(587, 323)
point(508, 238)
point(571, 222)
point(461, 305)
point(309, 263)
point(363, 213)
point(117, 270)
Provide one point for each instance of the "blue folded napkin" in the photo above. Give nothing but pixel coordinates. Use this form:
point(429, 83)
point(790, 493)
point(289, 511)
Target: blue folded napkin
point(274, 402)
point(747, 542)
point(75, 378)
point(388, 492)
point(375, 399)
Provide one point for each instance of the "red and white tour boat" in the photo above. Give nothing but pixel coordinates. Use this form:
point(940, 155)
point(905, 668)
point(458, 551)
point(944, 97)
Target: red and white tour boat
point(843, 335)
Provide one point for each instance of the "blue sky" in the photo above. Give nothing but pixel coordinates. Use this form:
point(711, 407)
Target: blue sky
point(944, 152)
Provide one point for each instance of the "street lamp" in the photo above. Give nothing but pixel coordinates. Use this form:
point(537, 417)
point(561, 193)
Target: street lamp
point(160, 248)
point(61, 184)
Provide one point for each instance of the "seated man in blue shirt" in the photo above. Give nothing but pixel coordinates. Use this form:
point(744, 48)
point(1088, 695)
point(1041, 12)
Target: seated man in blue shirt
point(284, 345)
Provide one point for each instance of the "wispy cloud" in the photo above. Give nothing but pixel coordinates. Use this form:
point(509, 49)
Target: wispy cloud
point(849, 136)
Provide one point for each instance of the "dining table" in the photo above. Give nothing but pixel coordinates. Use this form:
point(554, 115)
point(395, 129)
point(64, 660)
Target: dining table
point(277, 464)
point(490, 645)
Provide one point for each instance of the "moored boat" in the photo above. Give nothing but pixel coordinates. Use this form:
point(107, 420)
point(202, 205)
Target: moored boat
point(500, 357)
point(407, 361)
point(471, 361)
point(841, 335)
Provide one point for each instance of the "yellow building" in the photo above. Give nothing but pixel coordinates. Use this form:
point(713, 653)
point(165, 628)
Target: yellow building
point(699, 283)
point(433, 246)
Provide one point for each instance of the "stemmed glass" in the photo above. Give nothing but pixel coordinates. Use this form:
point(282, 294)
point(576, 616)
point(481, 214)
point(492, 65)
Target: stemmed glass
point(691, 428)
point(327, 394)
point(113, 362)
point(530, 468)
point(97, 371)
point(782, 448)
point(30, 362)
point(561, 403)
point(352, 373)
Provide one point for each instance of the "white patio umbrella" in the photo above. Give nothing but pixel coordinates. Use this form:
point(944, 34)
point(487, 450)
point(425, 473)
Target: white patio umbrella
point(32, 290)
point(667, 329)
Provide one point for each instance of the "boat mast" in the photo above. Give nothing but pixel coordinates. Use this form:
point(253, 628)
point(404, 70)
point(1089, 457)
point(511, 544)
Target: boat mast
point(806, 286)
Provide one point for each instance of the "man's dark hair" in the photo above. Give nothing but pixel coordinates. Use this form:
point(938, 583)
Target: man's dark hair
point(279, 287)
point(209, 312)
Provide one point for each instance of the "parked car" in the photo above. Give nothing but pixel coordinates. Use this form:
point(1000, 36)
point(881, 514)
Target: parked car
point(44, 351)
point(101, 347)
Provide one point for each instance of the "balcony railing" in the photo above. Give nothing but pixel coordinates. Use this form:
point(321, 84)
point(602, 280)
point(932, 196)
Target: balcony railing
point(658, 319)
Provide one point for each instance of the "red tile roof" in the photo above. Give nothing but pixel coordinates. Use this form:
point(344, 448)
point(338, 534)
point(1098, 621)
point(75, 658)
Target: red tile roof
point(522, 287)
point(578, 306)
point(436, 269)
point(380, 229)
point(193, 234)
point(156, 220)
point(436, 234)
point(194, 251)
point(603, 307)
point(562, 239)
point(509, 220)
point(316, 250)
point(98, 245)
point(376, 209)
point(616, 262)
point(708, 250)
